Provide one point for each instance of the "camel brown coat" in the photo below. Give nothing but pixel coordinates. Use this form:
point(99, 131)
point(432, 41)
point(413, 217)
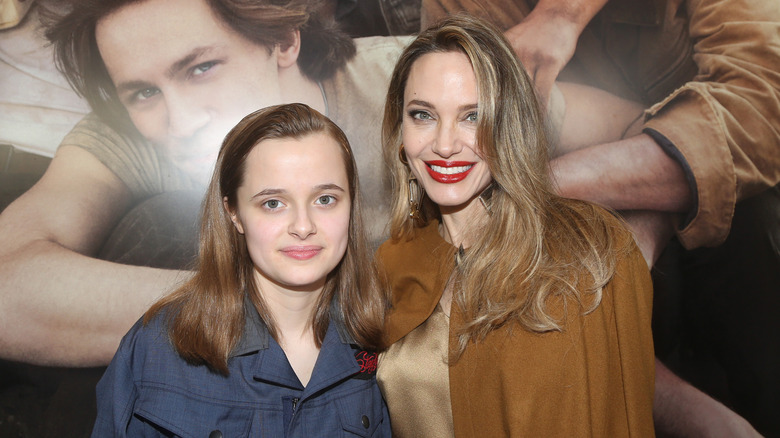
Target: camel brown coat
point(593, 379)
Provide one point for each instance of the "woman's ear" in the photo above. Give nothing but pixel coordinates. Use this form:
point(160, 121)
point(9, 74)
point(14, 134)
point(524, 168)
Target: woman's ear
point(233, 215)
point(287, 52)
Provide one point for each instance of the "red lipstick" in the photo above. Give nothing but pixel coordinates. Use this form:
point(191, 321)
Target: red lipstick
point(449, 172)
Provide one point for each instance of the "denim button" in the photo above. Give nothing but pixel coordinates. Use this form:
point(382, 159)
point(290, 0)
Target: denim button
point(215, 434)
point(365, 422)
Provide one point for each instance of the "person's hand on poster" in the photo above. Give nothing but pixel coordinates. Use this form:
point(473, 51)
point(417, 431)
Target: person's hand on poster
point(545, 41)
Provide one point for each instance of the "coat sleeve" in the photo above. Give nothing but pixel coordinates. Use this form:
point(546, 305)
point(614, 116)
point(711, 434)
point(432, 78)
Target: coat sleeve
point(726, 121)
point(116, 394)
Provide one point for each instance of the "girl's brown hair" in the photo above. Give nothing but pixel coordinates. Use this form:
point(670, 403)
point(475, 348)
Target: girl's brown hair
point(206, 314)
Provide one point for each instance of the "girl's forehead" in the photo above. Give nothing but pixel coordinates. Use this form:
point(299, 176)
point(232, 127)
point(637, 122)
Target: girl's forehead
point(313, 159)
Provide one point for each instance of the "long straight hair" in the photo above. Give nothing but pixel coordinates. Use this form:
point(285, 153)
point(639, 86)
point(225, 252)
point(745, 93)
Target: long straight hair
point(535, 245)
point(206, 315)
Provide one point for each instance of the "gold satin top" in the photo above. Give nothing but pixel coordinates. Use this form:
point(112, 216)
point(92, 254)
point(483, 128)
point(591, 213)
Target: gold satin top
point(414, 378)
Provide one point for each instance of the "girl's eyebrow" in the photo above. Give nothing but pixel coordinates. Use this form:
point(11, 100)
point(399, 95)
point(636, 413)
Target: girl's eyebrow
point(330, 187)
point(267, 192)
point(319, 187)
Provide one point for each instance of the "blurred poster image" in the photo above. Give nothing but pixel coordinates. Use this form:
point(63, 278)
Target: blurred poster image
point(112, 113)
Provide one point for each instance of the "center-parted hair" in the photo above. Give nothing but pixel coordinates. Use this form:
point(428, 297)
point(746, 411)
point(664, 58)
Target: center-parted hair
point(206, 315)
point(535, 246)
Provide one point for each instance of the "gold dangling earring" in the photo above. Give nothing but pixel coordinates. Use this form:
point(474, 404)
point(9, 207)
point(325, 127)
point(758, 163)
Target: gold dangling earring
point(402, 155)
point(416, 193)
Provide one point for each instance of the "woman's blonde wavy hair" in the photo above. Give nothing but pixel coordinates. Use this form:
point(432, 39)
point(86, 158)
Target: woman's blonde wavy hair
point(535, 245)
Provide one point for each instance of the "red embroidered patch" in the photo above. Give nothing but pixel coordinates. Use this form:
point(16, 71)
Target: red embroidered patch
point(367, 361)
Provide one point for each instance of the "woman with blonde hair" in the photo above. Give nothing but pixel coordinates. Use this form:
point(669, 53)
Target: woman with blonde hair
point(515, 312)
point(276, 333)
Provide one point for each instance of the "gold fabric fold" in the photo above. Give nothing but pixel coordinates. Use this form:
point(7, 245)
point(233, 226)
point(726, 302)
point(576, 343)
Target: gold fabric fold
point(414, 379)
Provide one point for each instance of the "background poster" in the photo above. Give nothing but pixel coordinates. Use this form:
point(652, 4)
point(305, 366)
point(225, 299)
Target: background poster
point(636, 50)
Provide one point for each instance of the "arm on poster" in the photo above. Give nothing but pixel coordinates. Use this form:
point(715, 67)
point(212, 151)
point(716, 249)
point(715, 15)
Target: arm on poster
point(603, 157)
point(634, 176)
point(652, 231)
point(592, 117)
point(680, 409)
point(58, 305)
point(545, 40)
point(630, 174)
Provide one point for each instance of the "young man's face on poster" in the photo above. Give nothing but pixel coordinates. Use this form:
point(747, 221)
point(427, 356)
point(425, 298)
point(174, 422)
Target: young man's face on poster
point(185, 77)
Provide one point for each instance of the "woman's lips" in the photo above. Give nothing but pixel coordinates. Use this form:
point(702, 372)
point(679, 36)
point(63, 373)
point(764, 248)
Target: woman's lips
point(448, 172)
point(301, 252)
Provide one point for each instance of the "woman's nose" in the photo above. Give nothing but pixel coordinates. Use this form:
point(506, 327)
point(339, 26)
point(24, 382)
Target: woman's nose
point(447, 141)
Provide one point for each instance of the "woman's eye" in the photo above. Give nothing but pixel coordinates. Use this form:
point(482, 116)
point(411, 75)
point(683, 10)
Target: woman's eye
point(326, 200)
point(203, 68)
point(420, 115)
point(472, 117)
point(272, 204)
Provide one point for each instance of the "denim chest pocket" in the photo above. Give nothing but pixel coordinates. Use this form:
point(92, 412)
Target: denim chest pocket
point(362, 413)
point(160, 413)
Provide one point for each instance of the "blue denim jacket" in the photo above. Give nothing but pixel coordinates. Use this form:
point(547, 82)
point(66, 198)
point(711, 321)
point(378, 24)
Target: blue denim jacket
point(148, 390)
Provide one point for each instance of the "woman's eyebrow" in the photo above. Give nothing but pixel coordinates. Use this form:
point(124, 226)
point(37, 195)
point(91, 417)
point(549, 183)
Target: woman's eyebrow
point(426, 104)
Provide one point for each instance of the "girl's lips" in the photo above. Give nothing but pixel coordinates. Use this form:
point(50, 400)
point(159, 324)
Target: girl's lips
point(448, 172)
point(301, 252)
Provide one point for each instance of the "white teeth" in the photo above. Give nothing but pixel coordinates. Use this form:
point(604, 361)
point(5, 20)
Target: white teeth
point(450, 170)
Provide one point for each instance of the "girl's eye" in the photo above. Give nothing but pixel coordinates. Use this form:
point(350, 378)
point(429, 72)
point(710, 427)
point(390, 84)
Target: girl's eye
point(326, 200)
point(272, 204)
point(203, 68)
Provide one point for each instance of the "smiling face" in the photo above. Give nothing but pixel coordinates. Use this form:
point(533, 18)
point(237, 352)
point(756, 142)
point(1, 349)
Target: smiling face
point(293, 209)
point(184, 77)
point(439, 128)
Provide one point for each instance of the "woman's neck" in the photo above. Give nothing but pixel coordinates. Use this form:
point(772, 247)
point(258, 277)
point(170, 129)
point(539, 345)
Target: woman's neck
point(458, 226)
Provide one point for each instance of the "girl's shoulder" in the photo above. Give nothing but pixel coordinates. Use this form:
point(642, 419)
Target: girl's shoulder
point(147, 338)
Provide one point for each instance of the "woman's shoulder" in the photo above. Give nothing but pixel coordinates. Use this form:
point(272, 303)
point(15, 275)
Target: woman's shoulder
point(422, 255)
point(424, 239)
